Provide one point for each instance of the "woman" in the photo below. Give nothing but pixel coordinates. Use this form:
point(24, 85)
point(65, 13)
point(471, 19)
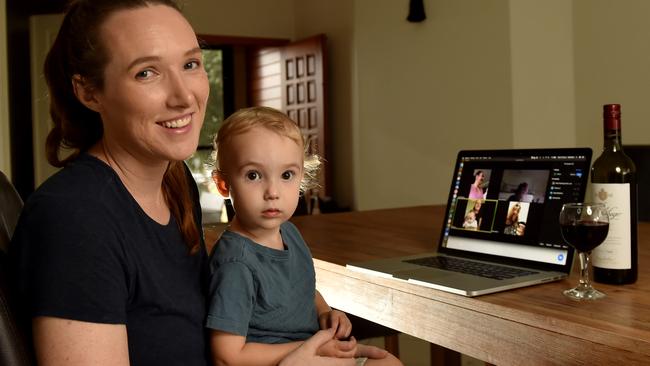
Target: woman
point(476, 188)
point(108, 253)
point(512, 220)
point(478, 214)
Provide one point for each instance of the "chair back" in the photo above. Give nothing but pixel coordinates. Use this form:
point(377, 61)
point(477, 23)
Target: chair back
point(10, 206)
point(14, 350)
point(640, 155)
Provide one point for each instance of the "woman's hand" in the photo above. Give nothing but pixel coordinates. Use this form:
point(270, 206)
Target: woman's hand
point(307, 353)
point(370, 351)
point(337, 320)
point(338, 348)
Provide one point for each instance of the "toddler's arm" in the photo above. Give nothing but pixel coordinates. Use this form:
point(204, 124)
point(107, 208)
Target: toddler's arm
point(328, 318)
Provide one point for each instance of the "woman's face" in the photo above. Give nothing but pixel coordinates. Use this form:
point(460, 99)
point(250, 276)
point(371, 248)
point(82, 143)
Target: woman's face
point(479, 178)
point(156, 88)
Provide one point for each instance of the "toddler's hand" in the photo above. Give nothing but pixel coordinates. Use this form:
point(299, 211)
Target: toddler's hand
point(337, 320)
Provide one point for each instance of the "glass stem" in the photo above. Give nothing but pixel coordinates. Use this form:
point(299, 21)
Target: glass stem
point(584, 269)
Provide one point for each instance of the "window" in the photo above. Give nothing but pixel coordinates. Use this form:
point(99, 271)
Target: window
point(200, 163)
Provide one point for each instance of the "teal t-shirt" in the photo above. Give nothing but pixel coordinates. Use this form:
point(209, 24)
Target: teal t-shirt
point(264, 294)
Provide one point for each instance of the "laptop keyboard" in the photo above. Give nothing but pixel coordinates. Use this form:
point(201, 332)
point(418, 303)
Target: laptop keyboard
point(470, 267)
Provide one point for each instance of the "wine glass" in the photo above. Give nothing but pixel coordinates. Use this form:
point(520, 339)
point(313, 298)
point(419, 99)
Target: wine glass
point(584, 226)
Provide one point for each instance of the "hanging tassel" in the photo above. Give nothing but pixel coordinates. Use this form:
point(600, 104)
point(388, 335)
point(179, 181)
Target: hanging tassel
point(416, 11)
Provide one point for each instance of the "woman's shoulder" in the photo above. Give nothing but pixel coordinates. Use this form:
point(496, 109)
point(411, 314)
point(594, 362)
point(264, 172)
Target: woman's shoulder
point(85, 190)
point(86, 175)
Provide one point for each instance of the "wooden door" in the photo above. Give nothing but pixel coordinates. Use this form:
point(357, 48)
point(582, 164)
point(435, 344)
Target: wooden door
point(292, 78)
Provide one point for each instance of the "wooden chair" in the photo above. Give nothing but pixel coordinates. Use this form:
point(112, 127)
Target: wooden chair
point(640, 155)
point(14, 348)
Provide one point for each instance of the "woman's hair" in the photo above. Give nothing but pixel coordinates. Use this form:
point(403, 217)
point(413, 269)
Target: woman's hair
point(271, 119)
point(78, 51)
point(513, 214)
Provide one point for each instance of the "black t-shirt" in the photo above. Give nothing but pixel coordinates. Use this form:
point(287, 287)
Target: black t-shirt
point(85, 250)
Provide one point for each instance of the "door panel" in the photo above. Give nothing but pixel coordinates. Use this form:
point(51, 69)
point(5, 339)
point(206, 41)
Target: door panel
point(298, 70)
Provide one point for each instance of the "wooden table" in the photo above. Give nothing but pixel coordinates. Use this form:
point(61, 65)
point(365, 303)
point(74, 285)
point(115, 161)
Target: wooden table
point(533, 325)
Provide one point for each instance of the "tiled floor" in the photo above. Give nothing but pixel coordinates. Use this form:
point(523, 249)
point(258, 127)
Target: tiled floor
point(415, 352)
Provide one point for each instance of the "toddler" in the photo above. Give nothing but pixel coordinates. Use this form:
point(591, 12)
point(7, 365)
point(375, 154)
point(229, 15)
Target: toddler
point(263, 300)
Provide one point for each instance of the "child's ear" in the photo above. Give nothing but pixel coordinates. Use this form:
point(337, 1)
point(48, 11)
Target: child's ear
point(222, 185)
point(85, 93)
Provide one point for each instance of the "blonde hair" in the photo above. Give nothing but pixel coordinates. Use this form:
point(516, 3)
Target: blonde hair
point(245, 119)
point(513, 214)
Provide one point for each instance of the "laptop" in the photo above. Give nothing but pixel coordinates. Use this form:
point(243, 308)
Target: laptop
point(500, 230)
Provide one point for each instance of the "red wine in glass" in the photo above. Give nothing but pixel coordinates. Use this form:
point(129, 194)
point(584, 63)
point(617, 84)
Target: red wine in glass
point(585, 235)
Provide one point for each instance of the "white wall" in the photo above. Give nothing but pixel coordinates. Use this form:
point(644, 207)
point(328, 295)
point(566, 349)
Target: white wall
point(5, 152)
point(250, 18)
point(543, 93)
point(612, 58)
point(424, 91)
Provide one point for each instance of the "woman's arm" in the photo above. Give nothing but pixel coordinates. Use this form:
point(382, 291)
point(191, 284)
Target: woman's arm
point(307, 353)
point(64, 342)
point(231, 349)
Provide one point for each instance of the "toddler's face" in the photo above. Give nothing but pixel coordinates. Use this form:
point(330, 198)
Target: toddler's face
point(264, 171)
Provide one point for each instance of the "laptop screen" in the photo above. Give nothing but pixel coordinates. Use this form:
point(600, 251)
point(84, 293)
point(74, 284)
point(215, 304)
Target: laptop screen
point(504, 204)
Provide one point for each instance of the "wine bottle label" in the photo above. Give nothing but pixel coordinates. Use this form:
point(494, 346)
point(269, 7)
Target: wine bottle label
point(616, 251)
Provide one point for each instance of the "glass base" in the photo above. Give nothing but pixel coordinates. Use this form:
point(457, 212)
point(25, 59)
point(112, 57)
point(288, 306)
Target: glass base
point(582, 292)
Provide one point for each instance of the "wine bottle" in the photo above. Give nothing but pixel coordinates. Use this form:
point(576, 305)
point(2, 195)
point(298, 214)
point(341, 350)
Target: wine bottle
point(613, 178)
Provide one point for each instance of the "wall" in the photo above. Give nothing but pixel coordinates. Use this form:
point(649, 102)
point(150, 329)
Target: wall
point(612, 58)
point(249, 18)
point(424, 91)
point(543, 93)
point(5, 152)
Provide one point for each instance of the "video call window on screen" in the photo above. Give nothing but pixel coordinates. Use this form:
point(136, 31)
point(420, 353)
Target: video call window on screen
point(504, 208)
point(524, 185)
point(508, 198)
